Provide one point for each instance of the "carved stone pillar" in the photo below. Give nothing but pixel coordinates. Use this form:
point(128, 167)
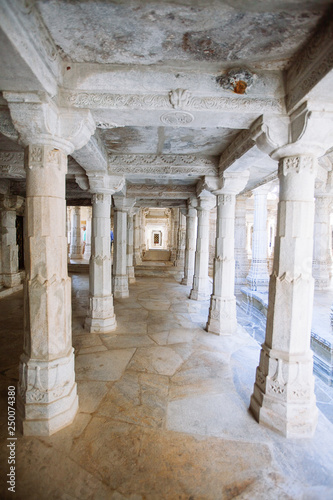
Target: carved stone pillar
point(87, 250)
point(47, 390)
point(283, 396)
point(76, 245)
point(191, 234)
point(201, 288)
point(180, 256)
point(258, 278)
point(120, 288)
point(137, 238)
point(322, 252)
point(130, 238)
point(222, 312)
point(47, 399)
point(241, 258)
point(10, 275)
point(174, 234)
point(101, 318)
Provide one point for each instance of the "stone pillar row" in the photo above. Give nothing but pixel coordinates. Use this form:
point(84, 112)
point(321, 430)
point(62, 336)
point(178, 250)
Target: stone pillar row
point(201, 287)
point(222, 312)
point(101, 316)
point(258, 276)
point(191, 235)
point(9, 274)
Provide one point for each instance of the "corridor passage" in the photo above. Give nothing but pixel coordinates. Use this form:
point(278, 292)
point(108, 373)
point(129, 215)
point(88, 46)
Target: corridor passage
point(163, 411)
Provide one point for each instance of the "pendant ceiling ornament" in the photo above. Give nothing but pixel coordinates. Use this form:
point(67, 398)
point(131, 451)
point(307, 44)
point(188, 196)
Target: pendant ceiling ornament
point(238, 80)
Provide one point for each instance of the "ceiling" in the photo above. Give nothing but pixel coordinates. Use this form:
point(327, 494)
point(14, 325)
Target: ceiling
point(148, 73)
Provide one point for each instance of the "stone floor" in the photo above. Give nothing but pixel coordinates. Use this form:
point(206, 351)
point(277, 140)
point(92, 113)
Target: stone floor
point(163, 411)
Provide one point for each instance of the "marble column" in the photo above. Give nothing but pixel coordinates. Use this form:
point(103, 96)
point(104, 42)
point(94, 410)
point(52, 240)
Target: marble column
point(120, 277)
point(283, 396)
point(258, 277)
point(101, 318)
point(180, 256)
point(222, 312)
point(137, 238)
point(76, 245)
point(130, 239)
point(241, 258)
point(191, 234)
point(322, 248)
point(87, 250)
point(47, 398)
point(10, 276)
point(174, 234)
point(200, 287)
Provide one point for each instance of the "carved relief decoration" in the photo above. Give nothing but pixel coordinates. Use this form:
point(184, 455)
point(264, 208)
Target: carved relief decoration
point(177, 118)
point(183, 101)
point(313, 62)
point(296, 164)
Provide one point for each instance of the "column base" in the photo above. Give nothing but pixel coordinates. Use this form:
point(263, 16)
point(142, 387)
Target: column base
point(47, 396)
point(289, 408)
point(76, 256)
point(187, 281)
point(120, 287)
point(222, 316)
point(10, 280)
point(131, 275)
point(95, 325)
point(101, 318)
point(199, 295)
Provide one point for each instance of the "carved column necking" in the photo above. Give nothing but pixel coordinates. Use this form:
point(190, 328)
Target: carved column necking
point(47, 390)
point(101, 318)
point(283, 396)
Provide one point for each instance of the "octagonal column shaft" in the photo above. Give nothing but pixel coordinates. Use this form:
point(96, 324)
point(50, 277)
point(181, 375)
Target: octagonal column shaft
point(175, 225)
point(222, 312)
point(180, 257)
point(241, 258)
point(10, 275)
point(130, 239)
point(283, 396)
point(322, 253)
point(76, 245)
point(87, 249)
point(120, 288)
point(47, 399)
point(101, 316)
point(258, 278)
point(137, 239)
point(191, 234)
point(201, 288)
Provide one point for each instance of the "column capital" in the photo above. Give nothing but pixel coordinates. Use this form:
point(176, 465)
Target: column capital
point(11, 202)
point(264, 189)
point(232, 183)
point(98, 198)
point(123, 204)
point(104, 183)
point(38, 120)
point(307, 131)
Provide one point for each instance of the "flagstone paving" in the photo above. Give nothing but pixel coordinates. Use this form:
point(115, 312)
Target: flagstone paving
point(163, 411)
